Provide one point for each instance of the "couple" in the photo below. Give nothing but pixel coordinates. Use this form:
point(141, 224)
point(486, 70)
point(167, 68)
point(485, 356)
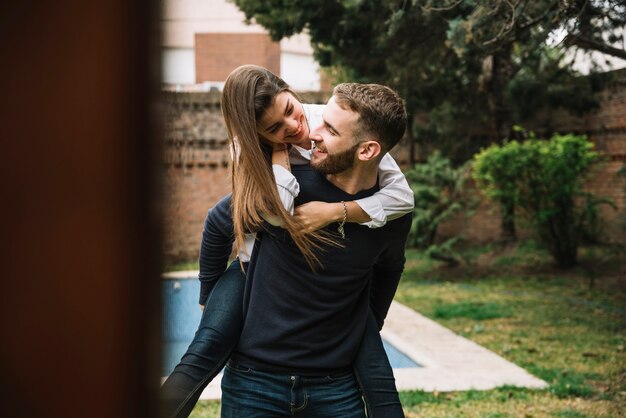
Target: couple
point(301, 328)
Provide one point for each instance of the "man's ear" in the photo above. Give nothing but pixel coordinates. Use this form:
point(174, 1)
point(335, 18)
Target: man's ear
point(369, 150)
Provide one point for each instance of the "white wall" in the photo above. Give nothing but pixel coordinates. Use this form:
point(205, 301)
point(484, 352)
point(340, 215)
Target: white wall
point(182, 19)
point(301, 72)
point(178, 65)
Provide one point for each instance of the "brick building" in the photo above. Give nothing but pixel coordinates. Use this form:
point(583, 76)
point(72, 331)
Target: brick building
point(203, 41)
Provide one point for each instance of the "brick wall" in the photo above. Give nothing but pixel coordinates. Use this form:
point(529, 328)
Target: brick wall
point(197, 171)
point(217, 54)
point(606, 127)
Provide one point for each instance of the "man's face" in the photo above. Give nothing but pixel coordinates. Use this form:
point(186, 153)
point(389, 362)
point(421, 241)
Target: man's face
point(284, 121)
point(334, 148)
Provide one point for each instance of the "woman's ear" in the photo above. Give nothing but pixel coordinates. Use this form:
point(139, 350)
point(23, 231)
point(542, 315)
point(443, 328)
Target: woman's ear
point(369, 150)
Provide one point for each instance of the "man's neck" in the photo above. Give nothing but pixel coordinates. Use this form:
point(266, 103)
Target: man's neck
point(359, 178)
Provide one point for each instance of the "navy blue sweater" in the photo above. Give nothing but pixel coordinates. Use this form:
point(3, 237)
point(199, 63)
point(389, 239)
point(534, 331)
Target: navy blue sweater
point(301, 321)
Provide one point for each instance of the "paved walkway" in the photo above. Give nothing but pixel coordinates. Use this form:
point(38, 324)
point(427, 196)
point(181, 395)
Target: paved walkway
point(449, 362)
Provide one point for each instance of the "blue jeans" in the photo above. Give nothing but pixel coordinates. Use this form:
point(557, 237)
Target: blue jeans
point(217, 336)
point(254, 394)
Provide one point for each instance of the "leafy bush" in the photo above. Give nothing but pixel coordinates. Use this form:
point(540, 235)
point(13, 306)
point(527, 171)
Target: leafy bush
point(496, 170)
point(437, 187)
point(544, 179)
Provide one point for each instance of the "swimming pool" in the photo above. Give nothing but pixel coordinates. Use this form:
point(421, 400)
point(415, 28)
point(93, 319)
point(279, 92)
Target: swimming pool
point(181, 315)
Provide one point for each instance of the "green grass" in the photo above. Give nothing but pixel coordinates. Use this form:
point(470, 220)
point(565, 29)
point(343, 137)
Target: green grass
point(472, 310)
point(548, 321)
point(182, 266)
point(558, 325)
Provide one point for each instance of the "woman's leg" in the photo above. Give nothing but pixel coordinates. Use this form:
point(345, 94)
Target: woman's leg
point(375, 375)
point(216, 337)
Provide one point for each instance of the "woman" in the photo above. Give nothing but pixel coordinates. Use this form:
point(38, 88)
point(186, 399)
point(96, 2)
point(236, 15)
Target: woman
point(263, 117)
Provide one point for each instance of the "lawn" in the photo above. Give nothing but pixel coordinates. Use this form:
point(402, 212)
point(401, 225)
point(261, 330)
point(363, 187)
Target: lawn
point(565, 327)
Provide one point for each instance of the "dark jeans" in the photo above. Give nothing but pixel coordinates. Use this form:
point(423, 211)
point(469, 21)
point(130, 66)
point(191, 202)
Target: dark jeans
point(254, 394)
point(217, 336)
point(375, 375)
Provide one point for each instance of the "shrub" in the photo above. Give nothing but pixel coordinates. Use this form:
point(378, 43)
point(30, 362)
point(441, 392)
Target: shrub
point(437, 187)
point(544, 179)
point(495, 170)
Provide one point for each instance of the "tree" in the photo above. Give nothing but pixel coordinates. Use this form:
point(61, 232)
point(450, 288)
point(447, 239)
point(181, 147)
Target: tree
point(462, 64)
point(469, 70)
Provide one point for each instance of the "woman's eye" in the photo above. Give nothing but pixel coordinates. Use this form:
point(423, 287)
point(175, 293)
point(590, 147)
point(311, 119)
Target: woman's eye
point(290, 111)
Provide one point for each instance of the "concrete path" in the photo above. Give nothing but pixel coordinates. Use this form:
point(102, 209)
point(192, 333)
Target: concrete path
point(449, 362)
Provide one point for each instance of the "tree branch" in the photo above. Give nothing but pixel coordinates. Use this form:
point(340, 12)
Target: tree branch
point(441, 9)
point(588, 44)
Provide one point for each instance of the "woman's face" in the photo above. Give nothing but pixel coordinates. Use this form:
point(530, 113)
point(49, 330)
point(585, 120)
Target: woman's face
point(284, 121)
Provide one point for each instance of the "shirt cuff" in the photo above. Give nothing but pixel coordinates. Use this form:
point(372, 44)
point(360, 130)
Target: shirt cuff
point(372, 206)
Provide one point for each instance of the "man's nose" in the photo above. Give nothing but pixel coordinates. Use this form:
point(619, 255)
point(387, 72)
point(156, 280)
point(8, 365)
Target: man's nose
point(315, 132)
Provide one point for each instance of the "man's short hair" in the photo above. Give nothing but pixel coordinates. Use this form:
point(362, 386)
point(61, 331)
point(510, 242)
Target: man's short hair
point(381, 111)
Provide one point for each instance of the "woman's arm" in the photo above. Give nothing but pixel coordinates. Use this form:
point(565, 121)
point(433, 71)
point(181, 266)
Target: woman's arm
point(286, 183)
point(216, 246)
point(394, 199)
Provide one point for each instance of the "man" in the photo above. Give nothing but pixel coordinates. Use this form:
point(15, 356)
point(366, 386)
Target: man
point(302, 328)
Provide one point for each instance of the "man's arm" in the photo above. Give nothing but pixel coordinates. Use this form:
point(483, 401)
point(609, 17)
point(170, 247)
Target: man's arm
point(388, 270)
point(216, 246)
point(393, 200)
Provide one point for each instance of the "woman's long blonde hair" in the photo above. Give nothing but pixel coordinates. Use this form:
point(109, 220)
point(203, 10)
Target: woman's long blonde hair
point(248, 92)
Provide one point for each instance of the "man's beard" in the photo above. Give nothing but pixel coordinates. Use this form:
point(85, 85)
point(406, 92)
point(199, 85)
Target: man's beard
point(336, 163)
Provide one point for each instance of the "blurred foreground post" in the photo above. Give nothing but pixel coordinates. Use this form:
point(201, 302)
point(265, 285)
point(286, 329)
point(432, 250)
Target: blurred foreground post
point(80, 312)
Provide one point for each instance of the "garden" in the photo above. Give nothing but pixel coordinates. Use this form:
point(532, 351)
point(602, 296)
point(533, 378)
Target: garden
point(514, 301)
point(546, 291)
point(552, 302)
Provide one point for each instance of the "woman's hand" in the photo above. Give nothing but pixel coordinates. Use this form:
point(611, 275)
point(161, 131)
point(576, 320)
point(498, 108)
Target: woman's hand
point(316, 215)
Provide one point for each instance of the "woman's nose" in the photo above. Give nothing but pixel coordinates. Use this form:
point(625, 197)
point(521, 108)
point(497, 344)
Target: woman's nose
point(292, 125)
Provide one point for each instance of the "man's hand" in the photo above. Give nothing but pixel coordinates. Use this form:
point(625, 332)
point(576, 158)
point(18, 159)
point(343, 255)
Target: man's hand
point(201, 307)
point(316, 215)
